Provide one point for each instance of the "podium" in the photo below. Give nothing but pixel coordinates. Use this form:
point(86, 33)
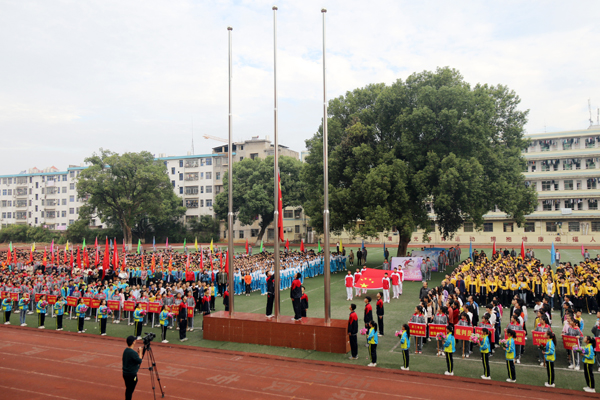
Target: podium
point(308, 334)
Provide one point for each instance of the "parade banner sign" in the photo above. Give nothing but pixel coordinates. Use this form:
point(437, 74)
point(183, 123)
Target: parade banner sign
point(71, 301)
point(419, 330)
point(128, 305)
point(113, 304)
point(154, 307)
point(87, 301)
point(539, 338)
point(37, 297)
point(433, 254)
point(15, 296)
point(491, 336)
point(4, 295)
point(520, 339)
point(95, 303)
point(597, 349)
point(175, 309)
point(143, 305)
point(570, 341)
point(52, 298)
point(462, 332)
point(190, 312)
point(411, 267)
point(434, 329)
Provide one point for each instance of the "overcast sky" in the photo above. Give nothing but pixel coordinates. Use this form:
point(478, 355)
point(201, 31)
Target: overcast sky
point(132, 75)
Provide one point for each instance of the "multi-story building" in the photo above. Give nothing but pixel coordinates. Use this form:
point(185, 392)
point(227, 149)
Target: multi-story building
point(41, 198)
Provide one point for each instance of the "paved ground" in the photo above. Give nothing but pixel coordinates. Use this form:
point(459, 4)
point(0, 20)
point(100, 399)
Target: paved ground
point(36, 364)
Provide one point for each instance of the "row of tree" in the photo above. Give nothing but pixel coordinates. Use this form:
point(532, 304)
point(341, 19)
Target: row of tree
point(395, 152)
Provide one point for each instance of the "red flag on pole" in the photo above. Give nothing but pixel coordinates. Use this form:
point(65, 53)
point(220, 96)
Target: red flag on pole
point(78, 258)
point(201, 260)
point(246, 246)
point(287, 244)
point(30, 257)
point(86, 258)
point(280, 209)
point(97, 255)
point(170, 262)
point(105, 259)
point(494, 249)
point(8, 257)
point(52, 258)
point(153, 263)
point(44, 260)
point(72, 262)
point(187, 264)
point(227, 262)
point(116, 256)
point(522, 250)
point(124, 264)
point(302, 245)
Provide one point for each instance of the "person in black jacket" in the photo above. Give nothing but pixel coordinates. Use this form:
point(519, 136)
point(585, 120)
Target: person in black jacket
point(303, 302)
point(379, 311)
point(368, 316)
point(270, 294)
point(226, 299)
point(296, 295)
point(352, 332)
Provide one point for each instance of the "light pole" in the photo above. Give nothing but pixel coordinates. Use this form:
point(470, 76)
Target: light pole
point(326, 270)
point(276, 169)
point(230, 185)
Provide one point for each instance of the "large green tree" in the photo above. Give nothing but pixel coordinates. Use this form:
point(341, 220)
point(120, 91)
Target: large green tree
point(253, 190)
point(126, 189)
point(432, 146)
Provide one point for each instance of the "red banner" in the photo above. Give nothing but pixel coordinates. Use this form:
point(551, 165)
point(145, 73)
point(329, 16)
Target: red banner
point(462, 332)
point(520, 339)
point(597, 349)
point(143, 306)
point(190, 312)
point(71, 301)
point(94, 303)
point(371, 279)
point(52, 298)
point(37, 297)
point(539, 338)
point(175, 309)
point(570, 341)
point(14, 296)
point(128, 305)
point(419, 330)
point(154, 307)
point(480, 331)
point(4, 295)
point(113, 304)
point(87, 301)
point(434, 329)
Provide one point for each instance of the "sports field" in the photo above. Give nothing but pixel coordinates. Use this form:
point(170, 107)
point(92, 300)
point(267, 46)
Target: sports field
point(396, 313)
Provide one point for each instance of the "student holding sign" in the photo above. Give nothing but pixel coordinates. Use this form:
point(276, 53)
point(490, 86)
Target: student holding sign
point(80, 310)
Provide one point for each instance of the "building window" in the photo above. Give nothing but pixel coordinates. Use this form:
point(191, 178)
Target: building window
point(191, 163)
point(209, 161)
point(208, 203)
point(180, 177)
point(570, 204)
point(209, 189)
point(297, 229)
point(547, 205)
point(569, 184)
point(218, 176)
point(181, 190)
point(180, 163)
point(253, 156)
point(71, 199)
point(209, 175)
point(546, 185)
point(71, 211)
point(253, 232)
point(241, 234)
point(172, 170)
point(191, 190)
point(191, 203)
point(591, 183)
point(574, 226)
point(508, 227)
point(288, 213)
point(592, 204)
point(595, 226)
point(71, 186)
point(173, 183)
point(71, 221)
point(191, 176)
point(201, 203)
point(529, 227)
point(488, 227)
point(63, 214)
point(590, 164)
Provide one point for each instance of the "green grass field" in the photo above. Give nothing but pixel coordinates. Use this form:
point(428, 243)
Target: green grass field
point(396, 313)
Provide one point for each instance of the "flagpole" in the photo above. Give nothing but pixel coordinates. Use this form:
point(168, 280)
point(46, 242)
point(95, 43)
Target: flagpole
point(276, 169)
point(326, 270)
point(230, 185)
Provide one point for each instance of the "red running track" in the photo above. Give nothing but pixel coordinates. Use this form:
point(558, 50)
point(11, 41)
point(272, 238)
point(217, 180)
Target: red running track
point(37, 364)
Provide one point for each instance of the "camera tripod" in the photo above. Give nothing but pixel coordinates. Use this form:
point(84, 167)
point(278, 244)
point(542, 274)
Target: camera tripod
point(153, 371)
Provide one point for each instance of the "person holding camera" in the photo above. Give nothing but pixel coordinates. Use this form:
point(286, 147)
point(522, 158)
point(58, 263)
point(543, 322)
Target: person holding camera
point(132, 358)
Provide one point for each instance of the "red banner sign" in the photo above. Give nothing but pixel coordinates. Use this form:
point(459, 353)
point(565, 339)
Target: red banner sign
point(520, 339)
point(434, 329)
point(154, 307)
point(462, 332)
point(128, 305)
point(175, 310)
point(143, 306)
point(597, 349)
point(71, 301)
point(14, 296)
point(87, 301)
point(52, 298)
point(4, 295)
point(113, 304)
point(539, 338)
point(37, 297)
point(190, 312)
point(94, 303)
point(480, 331)
point(570, 341)
point(419, 330)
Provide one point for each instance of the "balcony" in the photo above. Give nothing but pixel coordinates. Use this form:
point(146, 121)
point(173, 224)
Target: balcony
point(21, 192)
point(191, 164)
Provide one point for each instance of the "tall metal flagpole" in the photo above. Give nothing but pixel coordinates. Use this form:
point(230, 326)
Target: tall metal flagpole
point(276, 170)
point(230, 184)
point(326, 270)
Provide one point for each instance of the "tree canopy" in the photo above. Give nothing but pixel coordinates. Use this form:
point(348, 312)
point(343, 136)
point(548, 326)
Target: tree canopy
point(430, 141)
point(253, 190)
point(128, 190)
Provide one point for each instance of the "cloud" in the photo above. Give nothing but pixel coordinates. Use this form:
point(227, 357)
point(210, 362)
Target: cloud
point(131, 75)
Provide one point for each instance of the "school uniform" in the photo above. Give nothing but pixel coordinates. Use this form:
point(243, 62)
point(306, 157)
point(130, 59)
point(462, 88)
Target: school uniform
point(550, 356)
point(588, 364)
point(380, 312)
point(352, 333)
point(510, 360)
point(59, 310)
point(485, 348)
point(163, 317)
point(103, 316)
point(449, 349)
point(80, 310)
point(372, 340)
point(405, 347)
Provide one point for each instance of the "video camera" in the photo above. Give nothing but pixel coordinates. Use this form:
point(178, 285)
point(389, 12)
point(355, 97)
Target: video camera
point(148, 338)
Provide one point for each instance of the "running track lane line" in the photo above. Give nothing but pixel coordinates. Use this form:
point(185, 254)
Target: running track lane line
point(36, 393)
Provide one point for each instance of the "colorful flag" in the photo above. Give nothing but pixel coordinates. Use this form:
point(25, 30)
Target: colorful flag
point(261, 246)
point(83, 245)
point(33, 247)
point(30, 257)
point(522, 250)
point(124, 264)
point(287, 244)
point(139, 248)
point(187, 264)
point(10, 246)
point(185, 245)
point(319, 246)
point(153, 244)
point(52, 258)
point(494, 249)
point(170, 262)
point(471, 250)
point(280, 209)
point(78, 258)
point(196, 243)
point(246, 246)
point(341, 246)
point(67, 246)
point(152, 263)
point(302, 245)
point(384, 249)
point(52, 247)
point(370, 279)
point(45, 258)
point(211, 245)
point(582, 250)
point(105, 259)
point(227, 262)
point(552, 255)
point(167, 243)
point(363, 245)
point(116, 256)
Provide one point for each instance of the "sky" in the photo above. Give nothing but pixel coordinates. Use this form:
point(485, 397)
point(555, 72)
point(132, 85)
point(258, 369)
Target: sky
point(77, 76)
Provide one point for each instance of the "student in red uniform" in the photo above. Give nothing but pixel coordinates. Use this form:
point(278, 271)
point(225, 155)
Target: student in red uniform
point(352, 332)
point(379, 311)
point(296, 295)
point(226, 299)
point(303, 302)
point(386, 288)
point(349, 284)
point(357, 276)
point(368, 316)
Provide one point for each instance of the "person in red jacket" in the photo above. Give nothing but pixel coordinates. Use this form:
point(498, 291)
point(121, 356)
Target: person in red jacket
point(368, 316)
point(379, 312)
point(357, 276)
point(226, 299)
point(352, 332)
point(304, 302)
point(386, 288)
point(296, 295)
point(349, 284)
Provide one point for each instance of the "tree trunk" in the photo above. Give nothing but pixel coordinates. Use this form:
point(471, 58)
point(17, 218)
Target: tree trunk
point(403, 245)
point(127, 235)
point(260, 235)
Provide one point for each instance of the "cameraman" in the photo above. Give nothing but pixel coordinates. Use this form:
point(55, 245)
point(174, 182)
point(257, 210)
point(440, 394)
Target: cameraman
point(132, 358)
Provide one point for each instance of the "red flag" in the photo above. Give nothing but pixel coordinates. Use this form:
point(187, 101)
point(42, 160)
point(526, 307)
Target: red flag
point(227, 262)
point(78, 258)
point(52, 258)
point(30, 257)
point(8, 257)
point(122, 248)
point(522, 250)
point(246, 246)
point(153, 263)
point(116, 256)
point(370, 279)
point(142, 261)
point(170, 262)
point(301, 245)
point(124, 264)
point(582, 251)
point(44, 260)
point(161, 262)
point(201, 260)
point(105, 259)
point(72, 259)
point(86, 258)
point(280, 209)
point(187, 264)
point(494, 249)
point(220, 260)
point(287, 244)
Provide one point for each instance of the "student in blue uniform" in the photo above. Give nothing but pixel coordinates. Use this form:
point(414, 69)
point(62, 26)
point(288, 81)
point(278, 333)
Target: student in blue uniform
point(589, 344)
point(449, 349)
point(510, 356)
point(405, 346)
point(372, 340)
point(59, 310)
point(23, 307)
point(7, 308)
point(550, 356)
point(484, 349)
